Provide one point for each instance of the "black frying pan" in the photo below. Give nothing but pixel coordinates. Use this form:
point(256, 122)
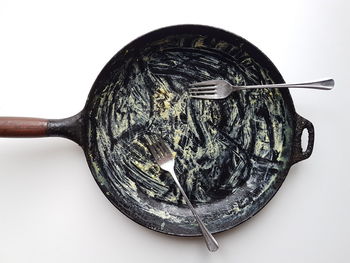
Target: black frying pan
point(232, 155)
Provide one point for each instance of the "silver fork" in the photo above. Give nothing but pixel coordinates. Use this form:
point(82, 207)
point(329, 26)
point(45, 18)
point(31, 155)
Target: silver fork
point(163, 156)
point(220, 89)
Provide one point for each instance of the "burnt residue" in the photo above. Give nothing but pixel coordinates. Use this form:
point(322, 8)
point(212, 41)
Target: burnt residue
point(231, 155)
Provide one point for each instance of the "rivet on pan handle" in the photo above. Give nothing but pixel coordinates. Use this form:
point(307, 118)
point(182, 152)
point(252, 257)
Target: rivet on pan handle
point(298, 153)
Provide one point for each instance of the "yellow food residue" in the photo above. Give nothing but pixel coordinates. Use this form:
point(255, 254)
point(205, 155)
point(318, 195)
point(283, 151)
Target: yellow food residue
point(162, 102)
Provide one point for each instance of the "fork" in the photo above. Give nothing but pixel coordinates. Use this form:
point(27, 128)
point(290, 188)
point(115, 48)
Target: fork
point(220, 89)
point(163, 156)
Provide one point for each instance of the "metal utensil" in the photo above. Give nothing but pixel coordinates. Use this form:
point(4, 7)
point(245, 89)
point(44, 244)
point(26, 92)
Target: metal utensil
point(220, 89)
point(163, 156)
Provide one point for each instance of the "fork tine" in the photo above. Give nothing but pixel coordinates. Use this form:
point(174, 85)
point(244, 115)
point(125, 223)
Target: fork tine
point(200, 92)
point(213, 96)
point(165, 148)
point(153, 151)
point(158, 149)
point(204, 88)
point(204, 83)
point(151, 146)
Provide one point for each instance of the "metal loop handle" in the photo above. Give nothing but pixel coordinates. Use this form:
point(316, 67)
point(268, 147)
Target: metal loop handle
point(298, 153)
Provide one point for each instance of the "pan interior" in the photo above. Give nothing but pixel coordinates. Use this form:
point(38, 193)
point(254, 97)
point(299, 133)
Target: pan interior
point(231, 155)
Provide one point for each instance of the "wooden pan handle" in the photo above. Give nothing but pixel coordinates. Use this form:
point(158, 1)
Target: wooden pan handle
point(23, 127)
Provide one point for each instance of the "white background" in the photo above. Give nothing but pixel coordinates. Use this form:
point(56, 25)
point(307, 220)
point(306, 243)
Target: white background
point(51, 209)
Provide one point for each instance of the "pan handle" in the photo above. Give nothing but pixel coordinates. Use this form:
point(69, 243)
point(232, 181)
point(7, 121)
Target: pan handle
point(22, 127)
point(298, 153)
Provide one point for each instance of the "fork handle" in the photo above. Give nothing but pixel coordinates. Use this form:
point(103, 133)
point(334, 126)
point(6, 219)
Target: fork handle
point(327, 84)
point(210, 241)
